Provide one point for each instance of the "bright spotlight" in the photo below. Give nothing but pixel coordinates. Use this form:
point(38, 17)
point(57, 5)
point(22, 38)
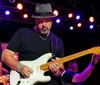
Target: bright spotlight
point(91, 19)
point(91, 26)
point(25, 16)
point(71, 27)
point(19, 6)
point(77, 17)
point(7, 12)
point(79, 24)
point(55, 12)
point(70, 15)
point(58, 21)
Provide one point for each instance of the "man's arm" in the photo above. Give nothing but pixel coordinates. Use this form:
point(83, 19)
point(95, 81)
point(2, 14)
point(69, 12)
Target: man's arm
point(87, 72)
point(7, 58)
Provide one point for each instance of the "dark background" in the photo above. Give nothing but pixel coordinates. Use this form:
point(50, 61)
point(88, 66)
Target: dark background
point(74, 41)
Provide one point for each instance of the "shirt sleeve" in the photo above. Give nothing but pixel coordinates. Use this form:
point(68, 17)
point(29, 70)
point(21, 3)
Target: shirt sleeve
point(68, 76)
point(14, 42)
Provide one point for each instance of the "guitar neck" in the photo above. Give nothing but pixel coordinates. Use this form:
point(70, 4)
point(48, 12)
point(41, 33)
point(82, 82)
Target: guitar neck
point(45, 67)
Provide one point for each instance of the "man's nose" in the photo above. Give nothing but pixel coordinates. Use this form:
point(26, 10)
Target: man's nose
point(44, 23)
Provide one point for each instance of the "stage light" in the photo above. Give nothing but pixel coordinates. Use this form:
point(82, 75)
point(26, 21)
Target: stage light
point(79, 24)
point(77, 17)
point(25, 16)
point(71, 27)
point(70, 15)
point(12, 1)
point(57, 20)
point(91, 26)
point(91, 19)
point(55, 12)
point(7, 12)
point(19, 6)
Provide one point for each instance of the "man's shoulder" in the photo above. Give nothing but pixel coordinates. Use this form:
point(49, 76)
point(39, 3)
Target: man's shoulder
point(54, 36)
point(24, 30)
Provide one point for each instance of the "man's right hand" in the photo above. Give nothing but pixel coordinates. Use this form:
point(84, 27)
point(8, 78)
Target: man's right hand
point(25, 71)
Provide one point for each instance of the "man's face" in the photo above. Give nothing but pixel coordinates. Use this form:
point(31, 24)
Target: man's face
point(43, 25)
point(75, 66)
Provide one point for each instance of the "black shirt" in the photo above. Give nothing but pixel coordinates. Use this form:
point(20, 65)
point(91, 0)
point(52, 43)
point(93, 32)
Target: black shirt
point(30, 46)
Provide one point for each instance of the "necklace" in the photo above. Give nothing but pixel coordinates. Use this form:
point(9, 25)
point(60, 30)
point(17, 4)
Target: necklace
point(42, 37)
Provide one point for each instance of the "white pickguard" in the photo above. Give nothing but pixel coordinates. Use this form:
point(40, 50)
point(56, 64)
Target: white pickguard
point(36, 76)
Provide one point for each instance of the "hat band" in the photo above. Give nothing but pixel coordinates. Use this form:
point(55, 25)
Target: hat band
point(43, 14)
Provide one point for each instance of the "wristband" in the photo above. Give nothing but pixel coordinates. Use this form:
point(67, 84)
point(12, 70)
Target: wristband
point(19, 66)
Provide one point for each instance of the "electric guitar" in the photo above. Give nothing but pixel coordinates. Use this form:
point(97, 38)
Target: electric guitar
point(40, 66)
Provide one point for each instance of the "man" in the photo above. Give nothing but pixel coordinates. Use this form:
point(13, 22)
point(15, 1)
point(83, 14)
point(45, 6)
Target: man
point(71, 75)
point(33, 43)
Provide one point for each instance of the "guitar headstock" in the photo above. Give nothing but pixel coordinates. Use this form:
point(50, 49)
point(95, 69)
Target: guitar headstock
point(95, 50)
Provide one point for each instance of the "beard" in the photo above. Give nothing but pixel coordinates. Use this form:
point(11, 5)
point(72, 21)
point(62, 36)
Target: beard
point(44, 31)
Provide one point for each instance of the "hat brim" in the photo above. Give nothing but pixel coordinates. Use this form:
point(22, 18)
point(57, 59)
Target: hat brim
point(47, 16)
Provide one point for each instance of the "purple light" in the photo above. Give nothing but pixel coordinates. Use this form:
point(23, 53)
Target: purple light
point(77, 17)
point(91, 26)
point(7, 12)
point(58, 21)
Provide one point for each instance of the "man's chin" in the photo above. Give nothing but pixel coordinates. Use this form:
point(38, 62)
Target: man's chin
point(44, 33)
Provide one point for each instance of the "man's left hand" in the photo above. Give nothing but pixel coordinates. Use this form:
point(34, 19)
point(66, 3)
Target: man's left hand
point(56, 68)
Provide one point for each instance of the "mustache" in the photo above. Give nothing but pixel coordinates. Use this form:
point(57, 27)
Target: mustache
point(44, 27)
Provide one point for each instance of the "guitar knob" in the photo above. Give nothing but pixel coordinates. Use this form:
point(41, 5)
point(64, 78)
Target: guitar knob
point(18, 83)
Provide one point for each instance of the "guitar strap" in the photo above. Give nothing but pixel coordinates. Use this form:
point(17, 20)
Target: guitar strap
point(53, 43)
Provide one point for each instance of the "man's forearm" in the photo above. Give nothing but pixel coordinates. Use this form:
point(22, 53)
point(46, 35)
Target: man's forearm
point(10, 61)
